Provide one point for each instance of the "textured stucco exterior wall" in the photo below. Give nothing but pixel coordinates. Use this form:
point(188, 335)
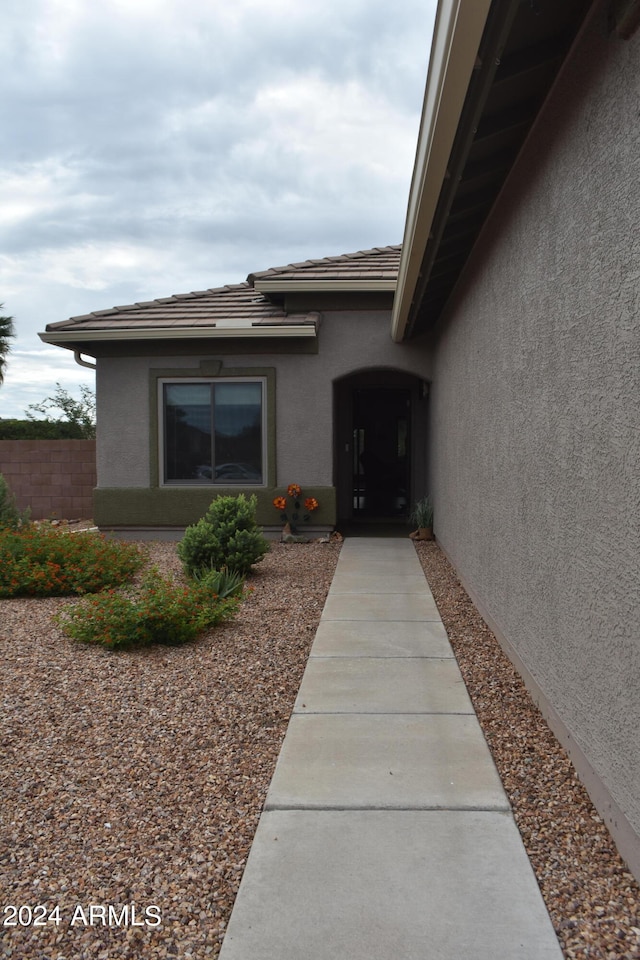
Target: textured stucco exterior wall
point(348, 341)
point(535, 412)
point(122, 402)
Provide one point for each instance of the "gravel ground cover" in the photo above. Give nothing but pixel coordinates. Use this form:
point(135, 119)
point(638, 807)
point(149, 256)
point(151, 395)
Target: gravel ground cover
point(594, 902)
point(136, 779)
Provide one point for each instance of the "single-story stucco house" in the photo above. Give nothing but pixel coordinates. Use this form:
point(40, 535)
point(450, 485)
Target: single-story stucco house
point(493, 360)
point(287, 378)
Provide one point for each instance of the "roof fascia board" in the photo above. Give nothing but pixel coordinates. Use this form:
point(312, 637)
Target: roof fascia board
point(457, 34)
point(63, 338)
point(321, 286)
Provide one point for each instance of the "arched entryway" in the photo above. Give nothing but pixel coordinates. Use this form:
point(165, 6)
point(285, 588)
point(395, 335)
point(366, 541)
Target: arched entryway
point(380, 443)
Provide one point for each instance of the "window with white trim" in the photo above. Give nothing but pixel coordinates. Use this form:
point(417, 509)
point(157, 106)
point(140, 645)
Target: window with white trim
point(213, 431)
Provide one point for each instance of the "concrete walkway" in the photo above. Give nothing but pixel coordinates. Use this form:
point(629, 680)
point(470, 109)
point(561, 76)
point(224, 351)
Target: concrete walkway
point(386, 834)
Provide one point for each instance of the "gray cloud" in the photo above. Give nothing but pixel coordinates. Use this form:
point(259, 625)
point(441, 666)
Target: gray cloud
point(158, 146)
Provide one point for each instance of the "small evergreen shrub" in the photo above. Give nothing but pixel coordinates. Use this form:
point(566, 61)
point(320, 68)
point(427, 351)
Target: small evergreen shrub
point(10, 517)
point(227, 536)
point(244, 548)
point(160, 612)
point(38, 561)
point(199, 549)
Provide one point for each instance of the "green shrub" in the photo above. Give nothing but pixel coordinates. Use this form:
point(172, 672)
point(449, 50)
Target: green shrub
point(40, 561)
point(161, 612)
point(224, 583)
point(227, 536)
point(422, 514)
point(199, 549)
point(10, 517)
point(242, 549)
point(40, 430)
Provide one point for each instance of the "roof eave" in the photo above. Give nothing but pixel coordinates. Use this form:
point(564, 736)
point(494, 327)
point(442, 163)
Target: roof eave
point(458, 31)
point(328, 286)
point(67, 338)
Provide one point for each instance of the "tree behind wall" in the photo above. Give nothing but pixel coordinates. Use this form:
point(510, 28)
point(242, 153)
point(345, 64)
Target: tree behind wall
point(7, 331)
point(80, 413)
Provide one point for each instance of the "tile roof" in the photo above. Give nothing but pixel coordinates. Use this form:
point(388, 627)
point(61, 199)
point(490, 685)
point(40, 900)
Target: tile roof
point(380, 263)
point(237, 305)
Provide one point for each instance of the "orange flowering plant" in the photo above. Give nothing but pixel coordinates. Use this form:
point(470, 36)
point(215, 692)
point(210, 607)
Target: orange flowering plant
point(38, 561)
point(293, 516)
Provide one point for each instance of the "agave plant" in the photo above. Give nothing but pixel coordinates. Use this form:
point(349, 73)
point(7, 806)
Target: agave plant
point(224, 583)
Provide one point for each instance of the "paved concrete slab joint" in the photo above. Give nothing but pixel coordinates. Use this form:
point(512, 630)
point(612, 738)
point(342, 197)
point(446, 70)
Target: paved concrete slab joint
point(386, 832)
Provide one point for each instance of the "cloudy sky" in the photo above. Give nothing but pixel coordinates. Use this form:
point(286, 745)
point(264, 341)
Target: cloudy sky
point(154, 147)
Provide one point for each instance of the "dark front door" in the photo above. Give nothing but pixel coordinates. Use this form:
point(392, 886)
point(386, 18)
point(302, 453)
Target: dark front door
point(380, 452)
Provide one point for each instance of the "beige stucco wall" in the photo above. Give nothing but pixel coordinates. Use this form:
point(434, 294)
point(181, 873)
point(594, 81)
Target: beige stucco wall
point(348, 341)
point(535, 414)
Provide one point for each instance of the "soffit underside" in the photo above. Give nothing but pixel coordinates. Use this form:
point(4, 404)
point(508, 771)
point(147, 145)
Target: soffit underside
point(522, 50)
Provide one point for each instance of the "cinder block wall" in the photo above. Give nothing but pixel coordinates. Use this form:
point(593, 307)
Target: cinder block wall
point(54, 478)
